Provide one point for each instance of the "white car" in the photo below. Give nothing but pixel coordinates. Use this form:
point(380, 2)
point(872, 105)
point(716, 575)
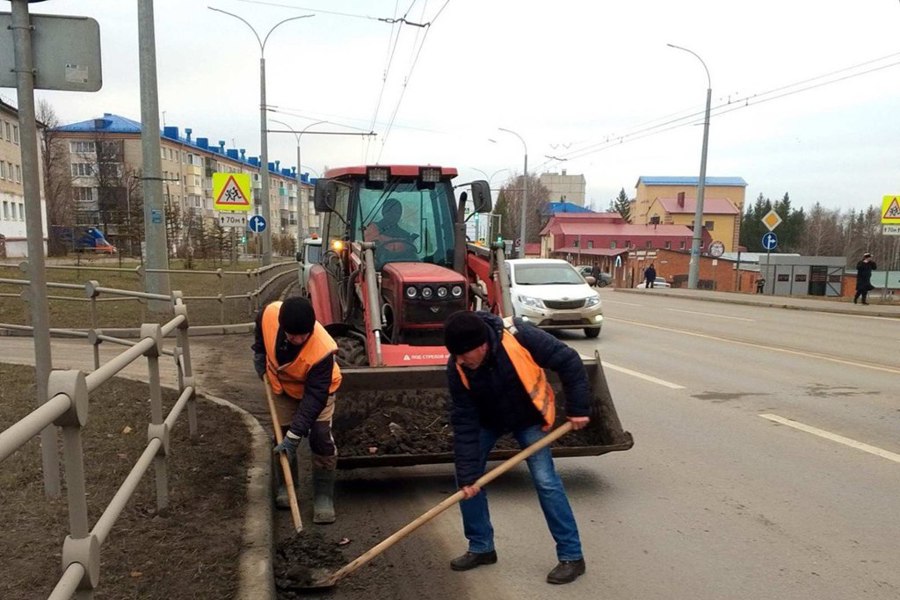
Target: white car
point(659, 282)
point(552, 294)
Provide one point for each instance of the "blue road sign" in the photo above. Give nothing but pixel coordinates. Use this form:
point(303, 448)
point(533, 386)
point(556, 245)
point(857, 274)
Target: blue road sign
point(770, 241)
point(256, 224)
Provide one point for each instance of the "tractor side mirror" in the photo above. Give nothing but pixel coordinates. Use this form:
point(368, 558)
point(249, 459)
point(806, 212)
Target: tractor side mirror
point(481, 196)
point(325, 195)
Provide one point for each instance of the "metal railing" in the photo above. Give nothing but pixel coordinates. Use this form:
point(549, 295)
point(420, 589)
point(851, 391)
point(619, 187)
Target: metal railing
point(260, 280)
point(67, 407)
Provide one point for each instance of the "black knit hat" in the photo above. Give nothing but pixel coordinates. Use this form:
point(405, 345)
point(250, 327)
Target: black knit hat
point(296, 316)
point(464, 331)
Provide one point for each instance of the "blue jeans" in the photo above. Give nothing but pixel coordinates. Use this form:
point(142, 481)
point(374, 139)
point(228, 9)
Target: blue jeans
point(560, 520)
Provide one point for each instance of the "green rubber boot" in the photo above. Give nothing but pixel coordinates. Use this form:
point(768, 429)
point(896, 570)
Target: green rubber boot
point(323, 495)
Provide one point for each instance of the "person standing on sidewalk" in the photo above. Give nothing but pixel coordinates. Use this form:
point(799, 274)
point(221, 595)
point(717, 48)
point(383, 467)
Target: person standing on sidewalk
point(864, 285)
point(498, 386)
point(650, 276)
point(298, 356)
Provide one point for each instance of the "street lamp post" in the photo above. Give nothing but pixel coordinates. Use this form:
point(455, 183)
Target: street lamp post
point(304, 225)
point(264, 149)
point(524, 191)
point(694, 267)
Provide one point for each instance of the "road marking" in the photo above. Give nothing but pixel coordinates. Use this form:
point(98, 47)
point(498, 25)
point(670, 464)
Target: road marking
point(650, 378)
point(706, 314)
point(833, 437)
point(620, 302)
point(854, 317)
point(705, 336)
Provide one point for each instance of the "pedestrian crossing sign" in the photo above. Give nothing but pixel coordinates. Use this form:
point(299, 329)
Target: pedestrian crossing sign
point(890, 210)
point(231, 191)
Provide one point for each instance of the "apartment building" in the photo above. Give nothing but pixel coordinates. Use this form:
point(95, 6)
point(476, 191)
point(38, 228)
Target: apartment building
point(106, 157)
point(13, 235)
point(564, 187)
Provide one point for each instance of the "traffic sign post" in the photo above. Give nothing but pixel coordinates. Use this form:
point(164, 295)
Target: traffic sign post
point(257, 224)
point(231, 192)
point(770, 242)
point(716, 249)
point(231, 219)
point(771, 220)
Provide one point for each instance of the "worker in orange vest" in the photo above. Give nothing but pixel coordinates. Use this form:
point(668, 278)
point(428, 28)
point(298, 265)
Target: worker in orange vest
point(298, 356)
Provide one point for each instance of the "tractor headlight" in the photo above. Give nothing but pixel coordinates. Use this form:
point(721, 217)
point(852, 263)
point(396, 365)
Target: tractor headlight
point(430, 174)
point(442, 292)
point(411, 292)
point(427, 293)
point(456, 291)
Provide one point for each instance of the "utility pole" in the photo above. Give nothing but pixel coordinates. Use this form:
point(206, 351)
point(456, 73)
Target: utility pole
point(521, 251)
point(154, 209)
point(37, 291)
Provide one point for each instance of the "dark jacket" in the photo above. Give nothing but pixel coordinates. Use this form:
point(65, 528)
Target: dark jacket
point(315, 388)
point(496, 398)
point(650, 274)
point(864, 275)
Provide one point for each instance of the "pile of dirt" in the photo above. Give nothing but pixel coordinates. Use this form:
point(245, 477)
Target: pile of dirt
point(418, 422)
point(304, 559)
point(191, 550)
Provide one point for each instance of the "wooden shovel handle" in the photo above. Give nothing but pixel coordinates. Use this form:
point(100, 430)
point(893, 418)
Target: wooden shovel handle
point(445, 504)
point(283, 459)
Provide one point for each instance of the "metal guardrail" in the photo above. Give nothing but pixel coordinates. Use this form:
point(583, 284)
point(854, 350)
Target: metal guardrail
point(67, 407)
point(94, 290)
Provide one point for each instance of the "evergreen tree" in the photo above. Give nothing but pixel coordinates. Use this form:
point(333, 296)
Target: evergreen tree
point(622, 205)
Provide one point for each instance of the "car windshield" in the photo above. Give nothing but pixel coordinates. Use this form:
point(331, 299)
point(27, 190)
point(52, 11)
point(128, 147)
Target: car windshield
point(544, 274)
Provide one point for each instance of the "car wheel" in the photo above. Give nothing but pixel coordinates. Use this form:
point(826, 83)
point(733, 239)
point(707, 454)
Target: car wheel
point(592, 332)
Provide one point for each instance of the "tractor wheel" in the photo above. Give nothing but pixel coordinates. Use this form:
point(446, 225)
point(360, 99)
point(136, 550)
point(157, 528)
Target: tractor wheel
point(351, 352)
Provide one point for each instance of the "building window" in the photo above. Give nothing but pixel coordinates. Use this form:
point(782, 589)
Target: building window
point(590, 243)
point(21, 211)
point(612, 245)
point(628, 243)
point(4, 173)
point(709, 225)
point(18, 174)
point(15, 134)
point(82, 147)
point(681, 245)
point(8, 136)
point(5, 210)
point(82, 170)
point(649, 244)
point(83, 195)
point(668, 245)
point(575, 243)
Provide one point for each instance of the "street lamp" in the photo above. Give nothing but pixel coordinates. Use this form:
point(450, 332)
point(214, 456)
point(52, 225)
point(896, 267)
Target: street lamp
point(304, 228)
point(694, 267)
point(524, 191)
point(264, 148)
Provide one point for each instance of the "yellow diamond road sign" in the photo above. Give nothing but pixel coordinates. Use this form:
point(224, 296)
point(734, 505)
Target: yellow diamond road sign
point(231, 191)
point(771, 220)
point(890, 210)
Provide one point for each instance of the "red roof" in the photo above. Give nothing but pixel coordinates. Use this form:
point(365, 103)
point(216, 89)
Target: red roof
point(618, 229)
point(711, 206)
point(591, 251)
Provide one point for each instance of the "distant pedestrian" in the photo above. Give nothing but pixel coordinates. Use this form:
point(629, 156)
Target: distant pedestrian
point(595, 273)
point(864, 285)
point(650, 276)
point(760, 285)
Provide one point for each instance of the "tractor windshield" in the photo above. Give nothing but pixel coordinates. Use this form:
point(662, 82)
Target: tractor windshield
point(407, 221)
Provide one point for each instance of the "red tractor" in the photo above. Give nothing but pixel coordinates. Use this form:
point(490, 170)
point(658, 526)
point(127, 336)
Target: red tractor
point(394, 265)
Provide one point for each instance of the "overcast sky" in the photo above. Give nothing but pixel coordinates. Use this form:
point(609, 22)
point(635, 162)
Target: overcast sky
point(576, 79)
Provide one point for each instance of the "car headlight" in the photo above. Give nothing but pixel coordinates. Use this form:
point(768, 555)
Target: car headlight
point(427, 292)
point(532, 302)
point(442, 292)
point(456, 291)
point(411, 292)
point(592, 301)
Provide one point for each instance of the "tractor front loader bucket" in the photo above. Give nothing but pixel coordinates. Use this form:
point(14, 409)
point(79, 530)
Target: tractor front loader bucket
point(399, 416)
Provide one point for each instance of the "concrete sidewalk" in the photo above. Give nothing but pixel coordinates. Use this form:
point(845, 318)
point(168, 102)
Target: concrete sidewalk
point(838, 305)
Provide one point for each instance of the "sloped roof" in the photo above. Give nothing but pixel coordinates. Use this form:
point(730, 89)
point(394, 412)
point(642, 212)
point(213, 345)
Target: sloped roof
point(675, 180)
point(108, 123)
point(620, 229)
point(711, 206)
point(552, 208)
point(590, 251)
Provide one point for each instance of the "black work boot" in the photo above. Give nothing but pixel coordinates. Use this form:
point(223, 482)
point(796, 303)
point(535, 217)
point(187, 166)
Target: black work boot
point(566, 571)
point(281, 494)
point(470, 560)
point(323, 495)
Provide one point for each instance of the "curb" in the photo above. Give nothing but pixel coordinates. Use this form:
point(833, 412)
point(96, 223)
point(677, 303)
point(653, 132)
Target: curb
point(256, 577)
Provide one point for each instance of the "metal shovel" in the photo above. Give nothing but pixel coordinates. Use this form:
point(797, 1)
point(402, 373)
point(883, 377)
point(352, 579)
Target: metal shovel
point(331, 580)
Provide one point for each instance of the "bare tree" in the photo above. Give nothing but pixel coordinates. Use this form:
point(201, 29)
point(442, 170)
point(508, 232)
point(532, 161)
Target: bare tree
point(509, 206)
point(57, 177)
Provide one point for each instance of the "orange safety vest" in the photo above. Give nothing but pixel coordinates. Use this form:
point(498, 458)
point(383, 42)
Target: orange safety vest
point(291, 377)
point(530, 374)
